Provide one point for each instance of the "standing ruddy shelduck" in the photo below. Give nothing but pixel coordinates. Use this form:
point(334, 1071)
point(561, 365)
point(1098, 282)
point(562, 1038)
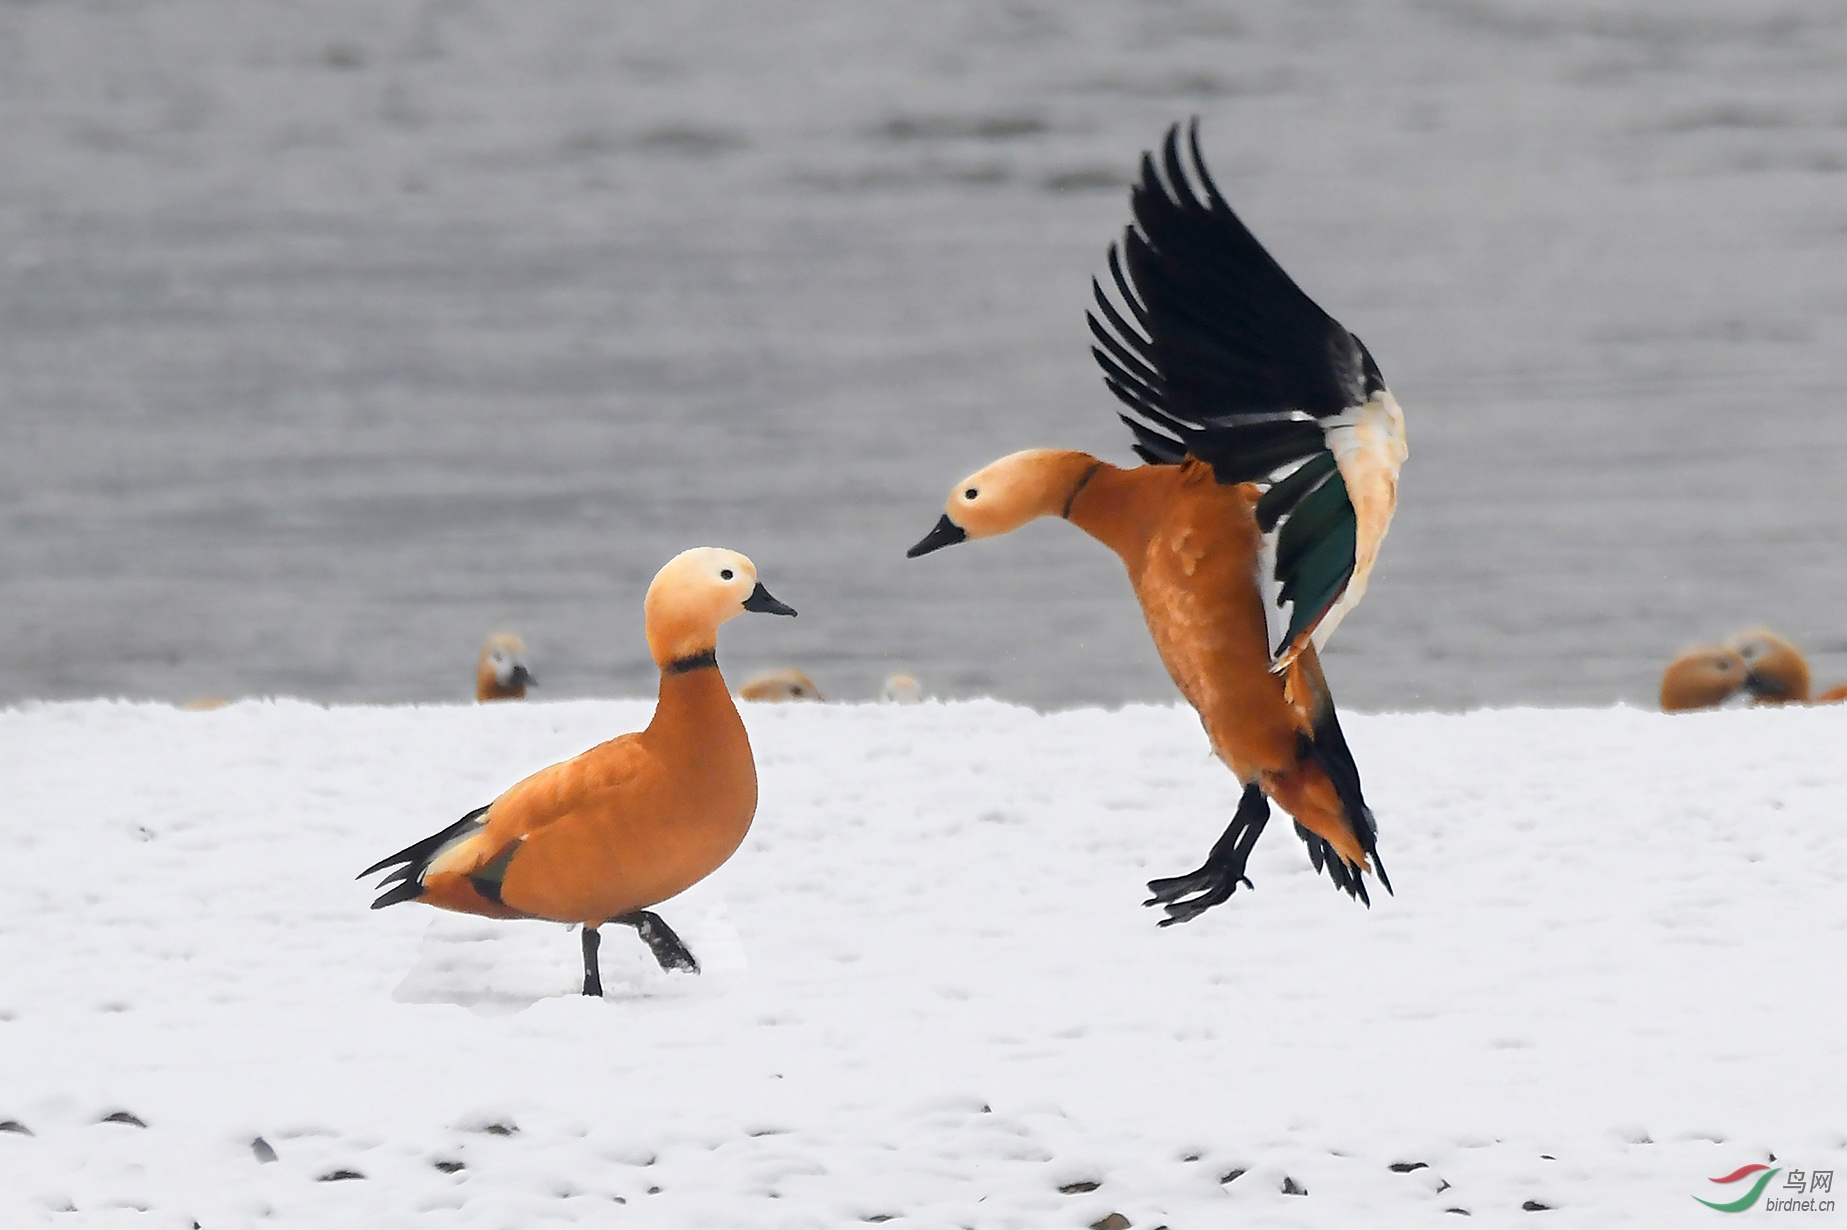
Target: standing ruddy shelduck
point(1274, 449)
point(501, 673)
point(631, 822)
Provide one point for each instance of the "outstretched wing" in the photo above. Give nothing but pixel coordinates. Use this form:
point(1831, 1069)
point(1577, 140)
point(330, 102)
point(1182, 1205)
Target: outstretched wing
point(1217, 354)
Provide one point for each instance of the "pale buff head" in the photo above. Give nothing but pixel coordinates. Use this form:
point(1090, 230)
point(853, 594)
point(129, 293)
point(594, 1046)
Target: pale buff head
point(1002, 497)
point(501, 673)
point(1775, 670)
point(693, 594)
point(1702, 678)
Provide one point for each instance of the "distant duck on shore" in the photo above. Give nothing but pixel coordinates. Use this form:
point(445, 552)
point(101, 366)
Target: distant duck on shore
point(1757, 663)
point(501, 672)
point(785, 683)
point(901, 689)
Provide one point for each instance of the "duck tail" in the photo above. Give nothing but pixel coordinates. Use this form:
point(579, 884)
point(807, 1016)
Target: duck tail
point(1326, 746)
point(413, 860)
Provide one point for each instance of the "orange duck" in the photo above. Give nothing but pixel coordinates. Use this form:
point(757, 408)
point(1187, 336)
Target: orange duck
point(501, 672)
point(1273, 451)
point(1702, 678)
point(1776, 672)
point(631, 822)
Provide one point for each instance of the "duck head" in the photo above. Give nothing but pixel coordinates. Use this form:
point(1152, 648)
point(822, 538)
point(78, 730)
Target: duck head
point(1775, 670)
point(1002, 497)
point(693, 594)
point(501, 673)
point(1702, 678)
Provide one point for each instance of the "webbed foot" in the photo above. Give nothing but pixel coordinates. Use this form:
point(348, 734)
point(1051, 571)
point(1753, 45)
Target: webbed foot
point(1187, 897)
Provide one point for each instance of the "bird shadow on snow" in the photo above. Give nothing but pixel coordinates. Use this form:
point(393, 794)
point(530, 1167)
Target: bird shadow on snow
point(498, 968)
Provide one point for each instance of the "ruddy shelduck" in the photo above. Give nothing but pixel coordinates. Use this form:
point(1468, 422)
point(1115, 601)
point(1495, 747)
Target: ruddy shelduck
point(1776, 671)
point(1702, 678)
point(624, 826)
point(901, 689)
point(1757, 663)
point(782, 684)
point(1273, 451)
point(502, 673)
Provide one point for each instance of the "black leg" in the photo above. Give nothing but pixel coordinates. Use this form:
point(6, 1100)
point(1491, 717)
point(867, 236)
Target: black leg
point(661, 940)
point(1219, 876)
point(593, 976)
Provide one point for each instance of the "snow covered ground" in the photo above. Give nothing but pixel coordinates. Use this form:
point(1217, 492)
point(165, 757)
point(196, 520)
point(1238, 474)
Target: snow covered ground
point(1611, 973)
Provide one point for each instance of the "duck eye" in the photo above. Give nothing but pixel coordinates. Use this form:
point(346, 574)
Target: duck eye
point(970, 494)
point(726, 574)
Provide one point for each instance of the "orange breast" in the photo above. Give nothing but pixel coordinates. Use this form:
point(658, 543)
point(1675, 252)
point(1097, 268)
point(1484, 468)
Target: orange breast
point(1199, 593)
point(632, 823)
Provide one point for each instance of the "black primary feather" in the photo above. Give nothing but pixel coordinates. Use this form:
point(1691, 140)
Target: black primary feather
point(1219, 355)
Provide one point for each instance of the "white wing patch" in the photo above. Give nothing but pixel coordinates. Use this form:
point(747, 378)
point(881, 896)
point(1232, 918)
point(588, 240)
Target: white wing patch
point(1369, 446)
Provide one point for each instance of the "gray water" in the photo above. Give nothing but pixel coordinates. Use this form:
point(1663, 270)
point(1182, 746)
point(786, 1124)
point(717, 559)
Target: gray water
point(334, 337)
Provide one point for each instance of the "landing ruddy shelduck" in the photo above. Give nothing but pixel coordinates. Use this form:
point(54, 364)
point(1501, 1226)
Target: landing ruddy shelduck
point(631, 822)
point(501, 673)
point(783, 683)
point(1273, 451)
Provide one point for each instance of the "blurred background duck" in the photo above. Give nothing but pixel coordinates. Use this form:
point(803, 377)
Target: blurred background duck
point(501, 672)
point(1757, 663)
point(785, 683)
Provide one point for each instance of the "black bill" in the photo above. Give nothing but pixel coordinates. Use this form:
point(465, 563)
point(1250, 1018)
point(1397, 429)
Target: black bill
point(762, 603)
point(946, 534)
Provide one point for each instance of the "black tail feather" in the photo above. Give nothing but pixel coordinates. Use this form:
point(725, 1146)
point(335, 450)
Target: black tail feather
point(415, 857)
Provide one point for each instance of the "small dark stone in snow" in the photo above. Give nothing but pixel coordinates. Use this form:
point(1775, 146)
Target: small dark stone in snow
point(1442, 1185)
point(449, 1167)
point(654, 1191)
point(1464, 1212)
point(263, 1150)
point(1229, 1175)
point(1292, 1188)
point(336, 1176)
point(877, 1217)
point(122, 1116)
point(500, 1129)
point(1115, 1221)
point(1189, 1157)
point(1087, 1185)
point(14, 1125)
point(1533, 1206)
point(1408, 1167)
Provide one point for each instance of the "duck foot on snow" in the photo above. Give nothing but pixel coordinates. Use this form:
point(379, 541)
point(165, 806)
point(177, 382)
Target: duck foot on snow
point(1187, 897)
point(654, 932)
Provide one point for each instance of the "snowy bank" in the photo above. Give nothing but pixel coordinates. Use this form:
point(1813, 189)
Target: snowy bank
point(1611, 973)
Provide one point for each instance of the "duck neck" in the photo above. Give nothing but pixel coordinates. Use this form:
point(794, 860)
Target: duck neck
point(1104, 503)
point(695, 707)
